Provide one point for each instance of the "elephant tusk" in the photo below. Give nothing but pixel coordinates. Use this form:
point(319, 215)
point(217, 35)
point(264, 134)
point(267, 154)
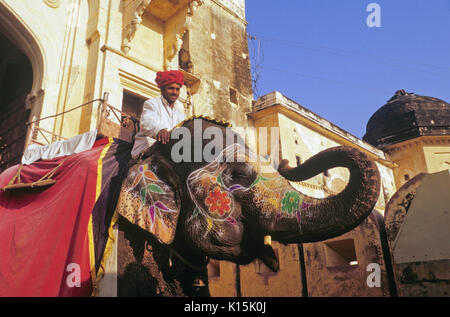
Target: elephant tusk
point(268, 240)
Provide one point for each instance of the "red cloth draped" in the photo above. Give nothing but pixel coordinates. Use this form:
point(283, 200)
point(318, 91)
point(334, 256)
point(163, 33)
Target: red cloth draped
point(44, 233)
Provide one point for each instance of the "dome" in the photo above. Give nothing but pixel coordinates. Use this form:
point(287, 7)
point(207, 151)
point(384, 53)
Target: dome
point(406, 116)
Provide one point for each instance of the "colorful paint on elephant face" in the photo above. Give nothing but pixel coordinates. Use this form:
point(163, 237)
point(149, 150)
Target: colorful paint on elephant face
point(271, 194)
point(210, 195)
point(218, 202)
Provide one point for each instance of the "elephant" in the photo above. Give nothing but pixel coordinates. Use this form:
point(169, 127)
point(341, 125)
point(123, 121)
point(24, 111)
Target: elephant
point(177, 214)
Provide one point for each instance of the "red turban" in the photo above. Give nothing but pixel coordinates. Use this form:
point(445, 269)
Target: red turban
point(169, 77)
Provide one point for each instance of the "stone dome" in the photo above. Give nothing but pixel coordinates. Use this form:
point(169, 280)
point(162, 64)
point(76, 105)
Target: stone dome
point(406, 116)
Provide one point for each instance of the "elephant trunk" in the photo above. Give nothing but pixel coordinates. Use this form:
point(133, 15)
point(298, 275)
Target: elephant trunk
point(321, 219)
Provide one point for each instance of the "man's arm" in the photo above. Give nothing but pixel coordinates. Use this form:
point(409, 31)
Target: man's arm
point(150, 123)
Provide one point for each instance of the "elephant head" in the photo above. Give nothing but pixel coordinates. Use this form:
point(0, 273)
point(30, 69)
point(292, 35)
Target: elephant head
point(223, 208)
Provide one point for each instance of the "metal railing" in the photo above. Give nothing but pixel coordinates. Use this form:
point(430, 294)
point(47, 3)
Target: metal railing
point(105, 111)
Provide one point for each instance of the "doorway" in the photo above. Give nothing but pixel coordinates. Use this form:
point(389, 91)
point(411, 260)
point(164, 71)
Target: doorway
point(16, 79)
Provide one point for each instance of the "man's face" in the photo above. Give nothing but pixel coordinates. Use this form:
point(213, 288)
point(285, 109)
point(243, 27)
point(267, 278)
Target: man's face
point(171, 92)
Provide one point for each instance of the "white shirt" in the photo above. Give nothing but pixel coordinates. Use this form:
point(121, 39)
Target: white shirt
point(156, 115)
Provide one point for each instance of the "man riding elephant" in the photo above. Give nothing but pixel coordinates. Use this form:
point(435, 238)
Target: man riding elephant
point(160, 114)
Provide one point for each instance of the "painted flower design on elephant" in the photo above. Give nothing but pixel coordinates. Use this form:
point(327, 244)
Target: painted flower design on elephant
point(145, 173)
point(218, 202)
point(147, 184)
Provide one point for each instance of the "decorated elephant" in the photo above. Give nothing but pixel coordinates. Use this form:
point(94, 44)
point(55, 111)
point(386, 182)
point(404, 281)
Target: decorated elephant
point(176, 214)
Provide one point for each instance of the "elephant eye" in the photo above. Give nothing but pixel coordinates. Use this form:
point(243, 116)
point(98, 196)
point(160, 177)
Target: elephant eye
point(242, 174)
point(237, 174)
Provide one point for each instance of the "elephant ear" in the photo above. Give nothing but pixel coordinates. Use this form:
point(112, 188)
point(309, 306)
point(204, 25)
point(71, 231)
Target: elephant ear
point(149, 198)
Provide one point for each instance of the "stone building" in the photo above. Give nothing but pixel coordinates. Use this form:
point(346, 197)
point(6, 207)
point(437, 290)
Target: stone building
point(83, 49)
point(55, 71)
point(414, 131)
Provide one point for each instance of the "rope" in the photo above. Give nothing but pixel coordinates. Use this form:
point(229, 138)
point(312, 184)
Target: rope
point(47, 178)
point(11, 182)
point(52, 172)
point(58, 114)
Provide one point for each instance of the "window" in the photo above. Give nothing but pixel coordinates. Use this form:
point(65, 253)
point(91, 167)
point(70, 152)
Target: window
point(233, 96)
point(340, 253)
point(132, 104)
point(213, 268)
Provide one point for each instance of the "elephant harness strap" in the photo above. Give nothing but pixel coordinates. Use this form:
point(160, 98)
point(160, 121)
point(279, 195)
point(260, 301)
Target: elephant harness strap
point(172, 251)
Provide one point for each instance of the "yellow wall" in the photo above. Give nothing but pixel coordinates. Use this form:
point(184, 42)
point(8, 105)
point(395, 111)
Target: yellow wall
point(257, 280)
point(426, 154)
point(324, 278)
point(223, 284)
point(437, 156)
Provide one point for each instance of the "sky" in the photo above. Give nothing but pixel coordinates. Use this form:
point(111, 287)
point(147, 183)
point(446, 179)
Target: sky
point(323, 55)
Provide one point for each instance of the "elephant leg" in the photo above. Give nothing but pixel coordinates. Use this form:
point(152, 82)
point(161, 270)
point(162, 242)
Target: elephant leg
point(144, 267)
point(134, 265)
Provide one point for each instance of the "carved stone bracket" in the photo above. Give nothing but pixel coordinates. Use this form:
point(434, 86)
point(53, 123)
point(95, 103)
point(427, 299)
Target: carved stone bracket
point(173, 44)
point(132, 19)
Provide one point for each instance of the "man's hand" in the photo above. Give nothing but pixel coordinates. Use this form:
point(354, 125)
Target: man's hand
point(163, 136)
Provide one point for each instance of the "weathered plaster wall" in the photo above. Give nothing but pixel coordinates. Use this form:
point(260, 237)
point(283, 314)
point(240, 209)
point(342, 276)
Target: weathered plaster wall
point(327, 279)
point(259, 281)
point(219, 53)
point(223, 284)
point(82, 45)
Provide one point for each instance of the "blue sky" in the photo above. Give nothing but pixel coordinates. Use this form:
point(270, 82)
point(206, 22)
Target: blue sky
point(322, 54)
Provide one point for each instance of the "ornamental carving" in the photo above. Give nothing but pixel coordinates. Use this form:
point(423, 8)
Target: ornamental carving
point(53, 3)
point(133, 11)
point(173, 45)
point(132, 19)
